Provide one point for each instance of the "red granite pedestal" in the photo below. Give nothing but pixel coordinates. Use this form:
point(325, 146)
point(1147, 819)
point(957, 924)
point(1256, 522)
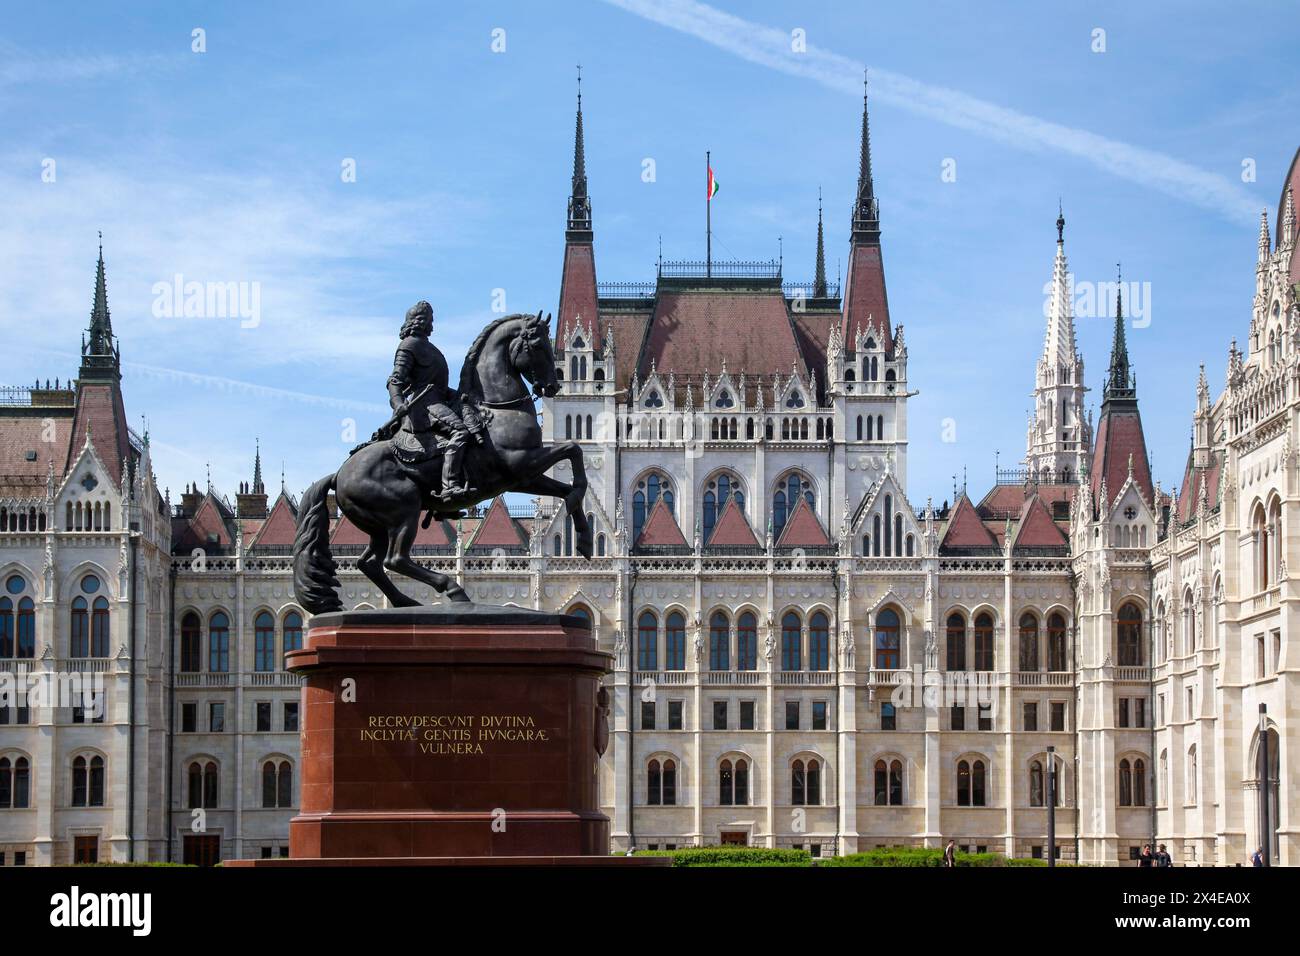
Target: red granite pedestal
point(450, 736)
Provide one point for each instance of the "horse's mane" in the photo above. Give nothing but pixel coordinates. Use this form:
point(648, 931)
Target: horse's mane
point(469, 383)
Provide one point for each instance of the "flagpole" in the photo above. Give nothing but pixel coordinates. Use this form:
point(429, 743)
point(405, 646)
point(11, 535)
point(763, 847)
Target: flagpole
point(708, 219)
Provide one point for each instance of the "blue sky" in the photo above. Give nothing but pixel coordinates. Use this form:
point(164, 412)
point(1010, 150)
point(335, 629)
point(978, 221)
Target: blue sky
point(224, 166)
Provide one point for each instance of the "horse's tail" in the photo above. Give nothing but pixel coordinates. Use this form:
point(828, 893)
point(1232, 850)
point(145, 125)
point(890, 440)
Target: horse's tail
point(314, 570)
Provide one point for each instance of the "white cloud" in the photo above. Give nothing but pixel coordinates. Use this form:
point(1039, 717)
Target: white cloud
point(317, 253)
point(770, 47)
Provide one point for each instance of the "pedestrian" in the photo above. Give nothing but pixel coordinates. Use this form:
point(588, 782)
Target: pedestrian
point(1145, 859)
point(950, 854)
point(1257, 858)
point(1163, 858)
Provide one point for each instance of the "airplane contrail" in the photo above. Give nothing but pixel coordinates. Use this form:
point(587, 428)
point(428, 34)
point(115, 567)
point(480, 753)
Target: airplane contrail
point(770, 47)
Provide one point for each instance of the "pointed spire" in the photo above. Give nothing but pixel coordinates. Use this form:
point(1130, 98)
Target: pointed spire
point(1060, 347)
point(258, 488)
point(98, 348)
point(579, 202)
point(819, 277)
point(866, 211)
point(1264, 242)
point(1119, 381)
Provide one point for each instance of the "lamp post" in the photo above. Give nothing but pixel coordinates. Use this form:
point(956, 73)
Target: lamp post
point(1051, 806)
point(1265, 837)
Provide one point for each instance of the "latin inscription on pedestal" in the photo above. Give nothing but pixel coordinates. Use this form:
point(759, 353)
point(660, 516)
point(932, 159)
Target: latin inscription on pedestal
point(437, 735)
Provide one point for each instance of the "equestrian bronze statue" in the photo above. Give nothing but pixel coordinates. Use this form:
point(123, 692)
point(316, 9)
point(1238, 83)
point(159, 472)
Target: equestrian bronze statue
point(443, 451)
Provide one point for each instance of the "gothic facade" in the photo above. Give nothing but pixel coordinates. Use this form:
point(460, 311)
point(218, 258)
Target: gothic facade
point(803, 655)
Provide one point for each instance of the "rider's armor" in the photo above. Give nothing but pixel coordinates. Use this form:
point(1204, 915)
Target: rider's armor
point(417, 364)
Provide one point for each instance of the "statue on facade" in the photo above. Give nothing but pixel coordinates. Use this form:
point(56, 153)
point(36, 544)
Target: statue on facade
point(442, 452)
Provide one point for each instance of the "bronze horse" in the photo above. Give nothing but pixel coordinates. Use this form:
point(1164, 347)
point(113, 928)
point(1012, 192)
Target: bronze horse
point(382, 497)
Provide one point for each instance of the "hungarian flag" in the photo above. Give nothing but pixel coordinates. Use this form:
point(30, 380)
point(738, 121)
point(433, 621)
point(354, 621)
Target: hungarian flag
point(713, 185)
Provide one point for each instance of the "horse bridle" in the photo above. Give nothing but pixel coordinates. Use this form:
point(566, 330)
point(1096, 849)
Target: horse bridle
point(523, 341)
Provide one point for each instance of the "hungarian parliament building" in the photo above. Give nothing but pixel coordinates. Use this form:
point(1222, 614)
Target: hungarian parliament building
point(804, 653)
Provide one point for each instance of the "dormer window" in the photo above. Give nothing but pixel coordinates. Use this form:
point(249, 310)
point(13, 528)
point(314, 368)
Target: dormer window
point(725, 401)
point(654, 399)
point(578, 343)
point(794, 400)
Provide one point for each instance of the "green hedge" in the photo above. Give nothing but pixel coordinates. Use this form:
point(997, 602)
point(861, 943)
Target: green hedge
point(190, 865)
point(732, 856)
point(918, 856)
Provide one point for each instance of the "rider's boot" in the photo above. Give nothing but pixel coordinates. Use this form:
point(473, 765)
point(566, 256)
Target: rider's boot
point(453, 481)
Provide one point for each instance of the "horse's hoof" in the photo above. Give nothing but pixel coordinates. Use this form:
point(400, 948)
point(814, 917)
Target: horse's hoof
point(459, 596)
point(584, 547)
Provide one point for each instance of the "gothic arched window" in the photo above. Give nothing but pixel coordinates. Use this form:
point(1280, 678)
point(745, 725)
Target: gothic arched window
point(747, 642)
point(647, 642)
point(292, 632)
point(191, 643)
point(819, 645)
point(649, 490)
point(219, 643)
point(888, 641)
point(956, 636)
point(1129, 636)
point(675, 642)
point(788, 490)
point(717, 491)
point(1028, 642)
point(1057, 658)
point(984, 642)
point(791, 642)
point(719, 642)
point(264, 642)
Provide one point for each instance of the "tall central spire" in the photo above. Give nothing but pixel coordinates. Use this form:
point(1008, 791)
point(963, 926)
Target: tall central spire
point(1061, 346)
point(866, 211)
point(1059, 438)
point(579, 202)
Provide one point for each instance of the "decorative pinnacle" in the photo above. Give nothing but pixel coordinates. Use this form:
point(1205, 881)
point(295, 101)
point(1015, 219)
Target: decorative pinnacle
point(819, 279)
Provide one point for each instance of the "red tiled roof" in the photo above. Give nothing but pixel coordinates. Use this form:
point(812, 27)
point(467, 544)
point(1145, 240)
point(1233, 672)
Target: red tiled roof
point(661, 529)
point(577, 289)
point(865, 296)
point(280, 526)
point(965, 530)
point(696, 331)
point(628, 330)
point(346, 533)
point(1119, 435)
point(437, 535)
point(1189, 496)
point(20, 434)
point(207, 521)
point(1037, 529)
point(1010, 499)
point(498, 529)
point(100, 409)
point(732, 530)
point(802, 529)
point(811, 332)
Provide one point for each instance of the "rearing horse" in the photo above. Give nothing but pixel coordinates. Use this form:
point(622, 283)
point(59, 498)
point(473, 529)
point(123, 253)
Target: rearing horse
point(380, 496)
